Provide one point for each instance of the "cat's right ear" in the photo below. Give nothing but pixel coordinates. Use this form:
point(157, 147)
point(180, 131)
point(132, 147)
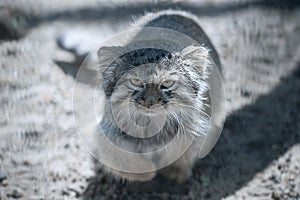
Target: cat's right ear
point(107, 55)
point(199, 56)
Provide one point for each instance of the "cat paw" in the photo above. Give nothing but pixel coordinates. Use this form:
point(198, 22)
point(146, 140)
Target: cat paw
point(135, 177)
point(178, 174)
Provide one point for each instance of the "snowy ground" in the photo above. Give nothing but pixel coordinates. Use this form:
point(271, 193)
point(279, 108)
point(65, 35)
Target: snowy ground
point(258, 154)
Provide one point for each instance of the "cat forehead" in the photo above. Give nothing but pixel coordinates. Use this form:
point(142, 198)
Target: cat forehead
point(151, 70)
point(147, 56)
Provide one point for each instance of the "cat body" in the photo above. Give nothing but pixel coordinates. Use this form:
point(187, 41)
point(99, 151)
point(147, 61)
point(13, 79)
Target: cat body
point(155, 97)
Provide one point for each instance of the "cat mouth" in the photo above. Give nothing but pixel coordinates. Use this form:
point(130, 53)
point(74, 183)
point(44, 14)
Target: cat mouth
point(154, 109)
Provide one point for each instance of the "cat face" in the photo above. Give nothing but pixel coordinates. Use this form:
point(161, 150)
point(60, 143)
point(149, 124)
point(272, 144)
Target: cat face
point(152, 87)
point(151, 80)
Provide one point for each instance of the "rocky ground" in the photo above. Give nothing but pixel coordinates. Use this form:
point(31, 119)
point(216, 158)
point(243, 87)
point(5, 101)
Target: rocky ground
point(41, 156)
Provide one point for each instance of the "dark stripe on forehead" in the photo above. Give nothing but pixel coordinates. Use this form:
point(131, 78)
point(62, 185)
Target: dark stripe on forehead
point(144, 56)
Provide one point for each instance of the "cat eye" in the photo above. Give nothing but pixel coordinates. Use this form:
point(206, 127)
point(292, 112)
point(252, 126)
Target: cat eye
point(136, 82)
point(167, 83)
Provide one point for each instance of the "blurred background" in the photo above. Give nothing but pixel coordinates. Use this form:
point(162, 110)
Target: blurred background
point(43, 43)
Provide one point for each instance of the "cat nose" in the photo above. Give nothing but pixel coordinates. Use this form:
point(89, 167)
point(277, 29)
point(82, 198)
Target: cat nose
point(150, 101)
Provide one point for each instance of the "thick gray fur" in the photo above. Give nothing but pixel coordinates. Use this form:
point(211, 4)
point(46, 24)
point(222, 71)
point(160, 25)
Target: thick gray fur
point(192, 65)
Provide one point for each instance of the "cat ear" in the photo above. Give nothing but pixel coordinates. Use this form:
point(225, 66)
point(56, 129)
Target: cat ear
point(199, 56)
point(106, 71)
point(106, 55)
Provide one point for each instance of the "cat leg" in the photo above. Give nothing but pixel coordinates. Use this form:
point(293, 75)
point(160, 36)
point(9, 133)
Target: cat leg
point(180, 170)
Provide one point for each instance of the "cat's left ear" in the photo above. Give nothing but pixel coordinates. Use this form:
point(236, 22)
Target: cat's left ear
point(106, 55)
point(199, 56)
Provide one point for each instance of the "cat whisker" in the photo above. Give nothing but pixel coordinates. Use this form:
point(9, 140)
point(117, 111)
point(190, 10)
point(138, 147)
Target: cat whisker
point(192, 107)
point(180, 124)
